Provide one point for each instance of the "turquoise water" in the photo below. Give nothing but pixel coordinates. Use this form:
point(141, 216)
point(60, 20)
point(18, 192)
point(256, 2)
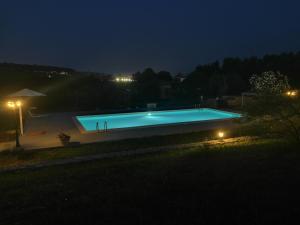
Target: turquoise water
point(139, 119)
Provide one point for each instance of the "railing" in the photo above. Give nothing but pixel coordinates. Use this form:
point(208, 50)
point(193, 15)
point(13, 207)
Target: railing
point(105, 127)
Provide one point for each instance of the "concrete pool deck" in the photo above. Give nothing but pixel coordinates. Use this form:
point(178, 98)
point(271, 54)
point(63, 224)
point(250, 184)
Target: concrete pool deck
point(41, 132)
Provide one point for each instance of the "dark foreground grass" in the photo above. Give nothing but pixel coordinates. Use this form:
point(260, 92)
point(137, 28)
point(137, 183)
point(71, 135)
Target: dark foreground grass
point(240, 183)
point(21, 158)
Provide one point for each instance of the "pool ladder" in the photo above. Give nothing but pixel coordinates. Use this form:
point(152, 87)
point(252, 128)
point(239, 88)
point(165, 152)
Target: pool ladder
point(197, 106)
point(105, 126)
point(105, 129)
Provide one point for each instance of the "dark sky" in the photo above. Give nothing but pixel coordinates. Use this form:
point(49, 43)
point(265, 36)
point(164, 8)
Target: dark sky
point(129, 35)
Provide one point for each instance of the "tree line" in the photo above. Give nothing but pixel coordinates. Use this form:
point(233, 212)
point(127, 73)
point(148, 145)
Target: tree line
point(90, 91)
point(231, 77)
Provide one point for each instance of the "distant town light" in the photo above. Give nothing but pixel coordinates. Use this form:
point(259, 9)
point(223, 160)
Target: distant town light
point(123, 79)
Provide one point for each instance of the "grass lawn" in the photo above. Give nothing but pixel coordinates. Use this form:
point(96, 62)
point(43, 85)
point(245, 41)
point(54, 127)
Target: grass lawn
point(240, 183)
point(21, 158)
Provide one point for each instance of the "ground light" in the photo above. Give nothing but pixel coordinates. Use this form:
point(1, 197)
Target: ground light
point(221, 134)
point(13, 105)
point(291, 93)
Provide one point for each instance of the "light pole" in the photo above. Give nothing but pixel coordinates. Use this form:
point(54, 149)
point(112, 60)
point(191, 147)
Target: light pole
point(13, 105)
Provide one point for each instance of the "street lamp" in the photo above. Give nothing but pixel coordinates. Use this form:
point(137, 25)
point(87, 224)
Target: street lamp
point(13, 105)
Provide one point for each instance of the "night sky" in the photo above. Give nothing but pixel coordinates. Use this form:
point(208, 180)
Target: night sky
point(126, 36)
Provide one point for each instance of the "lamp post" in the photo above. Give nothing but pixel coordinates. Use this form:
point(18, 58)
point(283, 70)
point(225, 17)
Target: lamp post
point(13, 105)
point(19, 104)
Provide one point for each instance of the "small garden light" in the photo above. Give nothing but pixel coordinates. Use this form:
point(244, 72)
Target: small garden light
point(221, 134)
point(291, 93)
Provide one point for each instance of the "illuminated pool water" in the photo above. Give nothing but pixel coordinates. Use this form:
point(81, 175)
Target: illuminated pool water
point(140, 119)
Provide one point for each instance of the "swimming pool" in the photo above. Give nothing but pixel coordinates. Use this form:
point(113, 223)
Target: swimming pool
point(141, 119)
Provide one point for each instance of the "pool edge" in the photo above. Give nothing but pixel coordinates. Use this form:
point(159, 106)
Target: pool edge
point(84, 131)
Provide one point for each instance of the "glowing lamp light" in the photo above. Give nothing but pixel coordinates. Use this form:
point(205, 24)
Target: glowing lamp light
point(11, 104)
point(149, 114)
point(221, 134)
point(18, 103)
point(291, 93)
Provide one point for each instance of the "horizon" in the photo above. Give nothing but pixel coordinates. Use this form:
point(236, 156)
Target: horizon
point(172, 73)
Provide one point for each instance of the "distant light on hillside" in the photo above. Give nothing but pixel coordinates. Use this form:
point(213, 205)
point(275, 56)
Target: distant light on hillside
point(124, 79)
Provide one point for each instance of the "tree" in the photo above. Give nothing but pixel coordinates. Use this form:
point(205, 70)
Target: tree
point(203, 80)
point(276, 105)
point(164, 76)
point(217, 85)
point(146, 86)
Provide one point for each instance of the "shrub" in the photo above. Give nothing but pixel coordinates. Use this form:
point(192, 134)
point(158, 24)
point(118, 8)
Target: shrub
point(277, 110)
